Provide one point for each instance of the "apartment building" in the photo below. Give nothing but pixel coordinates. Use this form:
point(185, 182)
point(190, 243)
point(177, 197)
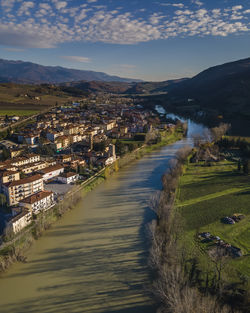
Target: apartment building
point(20, 221)
point(15, 191)
point(41, 201)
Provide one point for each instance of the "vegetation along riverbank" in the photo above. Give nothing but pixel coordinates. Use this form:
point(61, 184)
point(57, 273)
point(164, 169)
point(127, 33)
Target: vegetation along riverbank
point(200, 241)
point(13, 248)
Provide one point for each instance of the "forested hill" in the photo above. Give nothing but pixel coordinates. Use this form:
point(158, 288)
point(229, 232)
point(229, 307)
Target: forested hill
point(31, 73)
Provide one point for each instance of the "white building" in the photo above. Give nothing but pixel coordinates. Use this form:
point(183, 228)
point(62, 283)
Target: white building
point(17, 190)
point(67, 178)
point(20, 221)
point(51, 171)
point(38, 202)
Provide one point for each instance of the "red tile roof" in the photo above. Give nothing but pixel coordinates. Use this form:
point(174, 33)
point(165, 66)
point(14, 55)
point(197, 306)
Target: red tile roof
point(24, 181)
point(37, 197)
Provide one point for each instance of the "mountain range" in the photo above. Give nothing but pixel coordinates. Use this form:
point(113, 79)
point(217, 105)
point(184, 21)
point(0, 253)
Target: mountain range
point(225, 87)
point(135, 88)
point(31, 73)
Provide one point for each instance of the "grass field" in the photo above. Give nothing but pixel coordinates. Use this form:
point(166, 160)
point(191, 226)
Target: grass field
point(207, 194)
point(18, 112)
point(18, 98)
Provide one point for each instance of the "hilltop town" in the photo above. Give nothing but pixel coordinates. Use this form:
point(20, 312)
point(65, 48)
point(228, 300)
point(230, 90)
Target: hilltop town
point(65, 146)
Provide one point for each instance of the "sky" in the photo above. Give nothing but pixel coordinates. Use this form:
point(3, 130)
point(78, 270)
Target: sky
point(149, 40)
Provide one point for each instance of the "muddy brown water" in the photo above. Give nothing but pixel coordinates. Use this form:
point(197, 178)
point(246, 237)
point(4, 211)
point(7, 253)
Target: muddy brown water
point(94, 260)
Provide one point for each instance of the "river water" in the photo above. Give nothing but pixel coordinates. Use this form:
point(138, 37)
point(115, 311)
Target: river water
point(94, 260)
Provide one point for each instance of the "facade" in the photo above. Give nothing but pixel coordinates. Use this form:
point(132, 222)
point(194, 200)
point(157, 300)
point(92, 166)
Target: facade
point(53, 135)
point(8, 176)
point(20, 221)
point(41, 201)
point(67, 178)
point(33, 167)
point(51, 171)
point(17, 190)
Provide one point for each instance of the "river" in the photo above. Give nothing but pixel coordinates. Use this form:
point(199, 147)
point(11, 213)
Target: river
point(94, 260)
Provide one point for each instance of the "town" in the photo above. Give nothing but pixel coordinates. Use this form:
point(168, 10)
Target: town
point(67, 145)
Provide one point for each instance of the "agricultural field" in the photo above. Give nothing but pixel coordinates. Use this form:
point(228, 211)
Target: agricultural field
point(25, 100)
point(207, 194)
point(19, 112)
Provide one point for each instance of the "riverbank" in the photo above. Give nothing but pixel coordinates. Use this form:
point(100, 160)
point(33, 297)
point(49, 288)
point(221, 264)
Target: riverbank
point(15, 249)
point(179, 284)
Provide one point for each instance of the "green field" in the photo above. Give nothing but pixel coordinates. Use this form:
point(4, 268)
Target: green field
point(24, 100)
point(208, 193)
point(18, 112)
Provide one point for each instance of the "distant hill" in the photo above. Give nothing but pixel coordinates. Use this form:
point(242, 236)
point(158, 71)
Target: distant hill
point(31, 73)
point(136, 88)
point(224, 87)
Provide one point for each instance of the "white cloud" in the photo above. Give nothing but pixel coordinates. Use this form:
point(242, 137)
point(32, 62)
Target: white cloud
point(25, 8)
point(178, 5)
point(75, 58)
point(197, 2)
point(7, 5)
point(45, 6)
point(51, 22)
point(237, 7)
point(185, 12)
point(60, 4)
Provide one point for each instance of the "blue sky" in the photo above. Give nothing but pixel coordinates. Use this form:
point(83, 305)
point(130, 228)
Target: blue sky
point(151, 40)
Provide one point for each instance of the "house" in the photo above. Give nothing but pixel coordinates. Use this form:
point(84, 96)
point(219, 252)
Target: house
point(77, 162)
point(109, 125)
point(64, 158)
point(33, 167)
point(51, 171)
point(20, 189)
point(29, 137)
point(41, 201)
point(8, 176)
point(71, 130)
point(20, 221)
point(67, 178)
point(52, 135)
point(64, 140)
point(105, 161)
point(29, 158)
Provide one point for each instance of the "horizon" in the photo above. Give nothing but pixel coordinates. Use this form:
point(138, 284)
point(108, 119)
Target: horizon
point(151, 41)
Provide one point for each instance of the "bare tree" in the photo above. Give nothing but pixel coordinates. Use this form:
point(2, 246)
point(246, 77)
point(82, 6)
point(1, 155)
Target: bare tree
point(219, 131)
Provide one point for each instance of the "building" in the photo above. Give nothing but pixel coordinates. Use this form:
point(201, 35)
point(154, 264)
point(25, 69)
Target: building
point(52, 135)
point(20, 221)
point(67, 178)
point(41, 201)
point(8, 176)
point(64, 158)
point(51, 171)
point(15, 191)
point(33, 167)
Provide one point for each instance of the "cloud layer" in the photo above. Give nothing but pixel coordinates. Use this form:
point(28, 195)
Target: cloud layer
point(45, 24)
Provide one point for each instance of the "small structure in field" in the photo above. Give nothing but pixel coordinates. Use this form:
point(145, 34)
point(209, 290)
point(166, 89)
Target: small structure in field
point(227, 220)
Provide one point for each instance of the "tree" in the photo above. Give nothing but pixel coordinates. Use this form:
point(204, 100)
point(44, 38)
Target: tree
point(3, 200)
point(5, 154)
point(246, 167)
point(219, 131)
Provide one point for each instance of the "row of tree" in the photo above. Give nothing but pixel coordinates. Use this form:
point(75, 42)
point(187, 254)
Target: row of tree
point(179, 284)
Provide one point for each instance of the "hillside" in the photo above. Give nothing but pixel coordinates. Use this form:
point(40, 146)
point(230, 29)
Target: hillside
point(140, 88)
point(21, 98)
point(31, 73)
point(225, 88)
